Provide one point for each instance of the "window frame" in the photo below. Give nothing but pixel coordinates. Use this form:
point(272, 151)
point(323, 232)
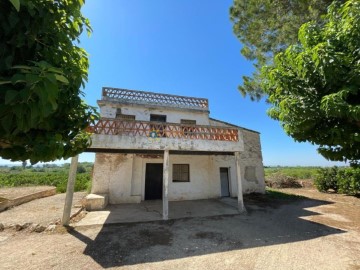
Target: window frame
point(187, 126)
point(181, 172)
point(125, 117)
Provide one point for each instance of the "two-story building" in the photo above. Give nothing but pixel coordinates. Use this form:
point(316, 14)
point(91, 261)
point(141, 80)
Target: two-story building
point(152, 146)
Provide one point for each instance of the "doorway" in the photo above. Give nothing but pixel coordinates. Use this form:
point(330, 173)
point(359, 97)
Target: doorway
point(153, 181)
point(159, 128)
point(224, 180)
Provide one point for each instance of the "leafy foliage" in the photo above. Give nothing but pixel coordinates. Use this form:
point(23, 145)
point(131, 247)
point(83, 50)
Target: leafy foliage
point(346, 181)
point(42, 117)
point(327, 179)
point(267, 27)
point(314, 86)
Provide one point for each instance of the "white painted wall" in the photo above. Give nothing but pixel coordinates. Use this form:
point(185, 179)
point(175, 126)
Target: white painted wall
point(122, 176)
point(142, 113)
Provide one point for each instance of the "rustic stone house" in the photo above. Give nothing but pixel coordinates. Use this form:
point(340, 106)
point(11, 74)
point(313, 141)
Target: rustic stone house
point(153, 146)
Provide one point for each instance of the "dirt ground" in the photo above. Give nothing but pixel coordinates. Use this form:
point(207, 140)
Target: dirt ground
point(318, 232)
point(40, 211)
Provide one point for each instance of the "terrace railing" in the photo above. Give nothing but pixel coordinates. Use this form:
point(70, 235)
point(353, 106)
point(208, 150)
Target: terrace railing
point(149, 97)
point(162, 130)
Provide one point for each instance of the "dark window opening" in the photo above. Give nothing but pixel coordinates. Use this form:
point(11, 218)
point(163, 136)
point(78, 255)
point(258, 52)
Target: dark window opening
point(181, 173)
point(122, 116)
point(188, 126)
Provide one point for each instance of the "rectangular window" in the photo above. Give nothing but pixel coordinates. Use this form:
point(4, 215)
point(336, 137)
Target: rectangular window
point(128, 117)
point(122, 116)
point(187, 122)
point(188, 126)
point(181, 173)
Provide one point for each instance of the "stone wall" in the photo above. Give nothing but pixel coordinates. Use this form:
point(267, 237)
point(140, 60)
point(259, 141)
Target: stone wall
point(251, 163)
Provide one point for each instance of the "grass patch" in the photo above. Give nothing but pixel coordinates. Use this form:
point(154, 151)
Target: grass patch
point(278, 195)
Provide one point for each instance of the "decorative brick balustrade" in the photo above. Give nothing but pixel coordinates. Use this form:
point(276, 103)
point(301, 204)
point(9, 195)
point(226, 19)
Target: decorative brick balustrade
point(149, 97)
point(163, 130)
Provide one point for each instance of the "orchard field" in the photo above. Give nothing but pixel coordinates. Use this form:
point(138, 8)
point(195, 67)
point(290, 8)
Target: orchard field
point(52, 175)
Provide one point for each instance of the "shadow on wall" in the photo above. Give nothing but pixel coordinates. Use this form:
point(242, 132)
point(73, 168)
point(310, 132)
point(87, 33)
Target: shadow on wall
point(267, 223)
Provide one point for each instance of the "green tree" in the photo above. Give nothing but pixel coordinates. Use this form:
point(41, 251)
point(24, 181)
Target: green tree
point(42, 116)
point(314, 86)
point(267, 27)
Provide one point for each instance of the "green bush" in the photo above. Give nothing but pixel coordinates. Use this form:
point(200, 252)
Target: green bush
point(81, 169)
point(349, 181)
point(326, 179)
point(345, 180)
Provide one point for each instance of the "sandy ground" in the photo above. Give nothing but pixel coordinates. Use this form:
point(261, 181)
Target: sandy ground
point(318, 233)
point(11, 193)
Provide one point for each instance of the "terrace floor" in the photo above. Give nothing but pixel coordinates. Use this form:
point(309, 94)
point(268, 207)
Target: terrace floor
point(152, 211)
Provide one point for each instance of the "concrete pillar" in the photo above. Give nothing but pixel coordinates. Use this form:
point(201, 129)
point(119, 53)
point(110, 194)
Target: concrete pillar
point(70, 191)
point(165, 185)
point(241, 206)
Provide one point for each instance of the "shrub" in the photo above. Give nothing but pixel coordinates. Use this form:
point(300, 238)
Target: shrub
point(349, 181)
point(346, 181)
point(280, 180)
point(81, 169)
point(326, 179)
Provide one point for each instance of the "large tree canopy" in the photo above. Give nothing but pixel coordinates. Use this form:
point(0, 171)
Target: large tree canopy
point(42, 117)
point(267, 27)
point(314, 86)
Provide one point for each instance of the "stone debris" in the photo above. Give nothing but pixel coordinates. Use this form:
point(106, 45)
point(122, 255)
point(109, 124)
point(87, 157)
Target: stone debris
point(39, 228)
point(19, 227)
point(50, 228)
point(2, 227)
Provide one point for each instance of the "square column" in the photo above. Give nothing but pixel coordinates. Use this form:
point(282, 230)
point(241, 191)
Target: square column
point(239, 177)
point(165, 185)
point(70, 191)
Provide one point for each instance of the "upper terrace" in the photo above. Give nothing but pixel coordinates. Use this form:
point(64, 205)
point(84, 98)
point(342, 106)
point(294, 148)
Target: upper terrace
point(146, 98)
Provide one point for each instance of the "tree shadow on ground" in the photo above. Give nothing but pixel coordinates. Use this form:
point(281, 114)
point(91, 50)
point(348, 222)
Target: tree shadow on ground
point(268, 222)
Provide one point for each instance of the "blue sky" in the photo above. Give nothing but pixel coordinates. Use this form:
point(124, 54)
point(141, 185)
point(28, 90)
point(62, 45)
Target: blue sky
point(182, 47)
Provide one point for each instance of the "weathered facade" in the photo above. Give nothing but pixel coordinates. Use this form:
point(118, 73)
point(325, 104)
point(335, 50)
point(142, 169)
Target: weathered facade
point(158, 146)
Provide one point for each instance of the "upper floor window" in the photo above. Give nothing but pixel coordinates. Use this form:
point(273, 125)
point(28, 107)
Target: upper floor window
point(158, 118)
point(188, 126)
point(159, 128)
point(121, 116)
point(187, 122)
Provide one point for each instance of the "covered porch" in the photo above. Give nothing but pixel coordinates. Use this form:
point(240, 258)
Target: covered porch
point(153, 211)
